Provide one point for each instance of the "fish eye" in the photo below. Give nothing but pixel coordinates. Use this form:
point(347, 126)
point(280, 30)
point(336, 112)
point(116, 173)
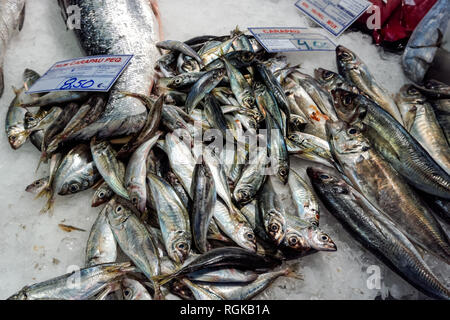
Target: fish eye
point(181, 246)
point(12, 138)
point(273, 227)
point(352, 131)
point(412, 90)
point(282, 172)
point(37, 183)
point(346, 55)
point(119, 209)
point(250, 236)
point(127, 292)
point(134, 200)
point(74, 188)
point(324, 237)
point(324, 176)
point(293, 241)
point(178, 80)
point(347, 100)
point(101, 195)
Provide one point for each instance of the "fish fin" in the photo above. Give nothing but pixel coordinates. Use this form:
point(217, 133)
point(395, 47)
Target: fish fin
point(158, 295)
point(384, 146)
point(422, 250)
point(162, 279)
point(48, 207)
point(22, 17)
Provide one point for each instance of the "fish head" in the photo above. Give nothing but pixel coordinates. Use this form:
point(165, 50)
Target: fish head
point(177, 81)
point(245, 57)
point(117, 212)
point(248, 101)
point(283, 171)
point(101, 195)
point(243, 194)
point(319, 240)
point(345, 138)
point(17, 137)
point(347, 105)
point(30, 120)
point(327, 180)
point(295, 240)
point(411, 94)
point(325, 76)
point(132, 289)
point(275, 226)
point(21, 295)
point(78, 181)
point(37, 185)
point(179, 247)
point(345, 58)
point(246, 237)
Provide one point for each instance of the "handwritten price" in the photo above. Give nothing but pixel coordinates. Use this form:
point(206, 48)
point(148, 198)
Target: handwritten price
point(74, 83)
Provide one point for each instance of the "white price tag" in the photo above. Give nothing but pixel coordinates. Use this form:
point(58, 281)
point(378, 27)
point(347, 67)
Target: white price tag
point(95, 73)
point(283, 39)
point(333, 15)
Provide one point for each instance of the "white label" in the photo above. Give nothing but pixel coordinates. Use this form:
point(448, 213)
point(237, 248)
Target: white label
point(333, 15)
point(95, 73)
point(284, 39)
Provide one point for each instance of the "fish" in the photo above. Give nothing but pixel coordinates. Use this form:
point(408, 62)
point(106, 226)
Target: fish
point(120, 27)
point(134, 290)
point(203, 86)
point(90, 281)
point(204, 195)
point(309, 147)
point(134, 239)
point(391, 139)
point(234, 224)
point(267, 104)
point(423, 125)
point(101, 246)
point(229, 275)
point(232, 291)
point(181, 47)
point(304, 198)
point(173, 218)
point(425, 41)
point(12, 14)
point(135, 174)
point(375, 178)
point(442, 111)
point(355, 71)
point(374, 230)
point(108, 166)
point(37, 186)
point(15, 116)
point(226, 257)
point(277, 150)
point(76, 172)
point(239, 85)
point(199, 292)
point(48, 190)
point(331, 80)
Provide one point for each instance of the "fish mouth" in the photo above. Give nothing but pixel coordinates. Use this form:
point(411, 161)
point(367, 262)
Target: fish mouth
point(334, 127)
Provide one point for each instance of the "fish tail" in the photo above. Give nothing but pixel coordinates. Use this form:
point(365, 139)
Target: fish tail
point(162, 279)
point(48, 206)
point(158, 294)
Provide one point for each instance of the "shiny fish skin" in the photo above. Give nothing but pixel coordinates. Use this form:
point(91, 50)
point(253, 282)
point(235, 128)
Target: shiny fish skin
point(227, 275)
point(201, 293)
point(355, 71)
point(203, 86)
point(371, 175)
point(389, 138)
point(305, 200)
point(92, 281)
point(309, 147)
point(425, 40)
point(173, 218)
point(37, 186)
point(273, 220)
point(442, 111)
point(203, 191)
point(277, 150)
point(133, 238)
point(101, 245)
point(14, 121)
point(108, 166)
point(239, 85)
point(102, 195)
point(12, 14)
point(80, 180)
point(120, 27)
point(179, 46)
point(135, 174)
point(375, 231)
point(423, 125)
point(331, 80)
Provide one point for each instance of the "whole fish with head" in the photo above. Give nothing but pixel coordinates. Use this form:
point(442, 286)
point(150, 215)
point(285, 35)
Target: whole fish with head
point(92, 280)
point(355, 71)
point(331, 80)
point(134, 238)
point(173, 218)
point(134, 290)
point(305, 200)
point(385, 188)
point(309, 147)
point(120, 27)
point(102, 195)
point(375, 231)
point(396, 145)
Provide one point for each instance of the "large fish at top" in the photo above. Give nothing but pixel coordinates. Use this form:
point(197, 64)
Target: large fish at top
point(12, 13)
point(120, 27)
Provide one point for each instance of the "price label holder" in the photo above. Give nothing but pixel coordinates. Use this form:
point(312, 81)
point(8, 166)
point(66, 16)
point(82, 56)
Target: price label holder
point(335, 16)
point(94, 73)
point(291, 39)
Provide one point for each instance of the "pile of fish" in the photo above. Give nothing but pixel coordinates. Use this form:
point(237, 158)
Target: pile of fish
point(197, 192)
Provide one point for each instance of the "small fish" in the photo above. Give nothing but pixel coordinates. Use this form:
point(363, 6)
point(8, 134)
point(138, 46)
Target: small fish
point(305, 200)
point(102, 195)
point(204, 85)
point(134, 290)
point(37, 186)
point(68, 228)
point(181, 47)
